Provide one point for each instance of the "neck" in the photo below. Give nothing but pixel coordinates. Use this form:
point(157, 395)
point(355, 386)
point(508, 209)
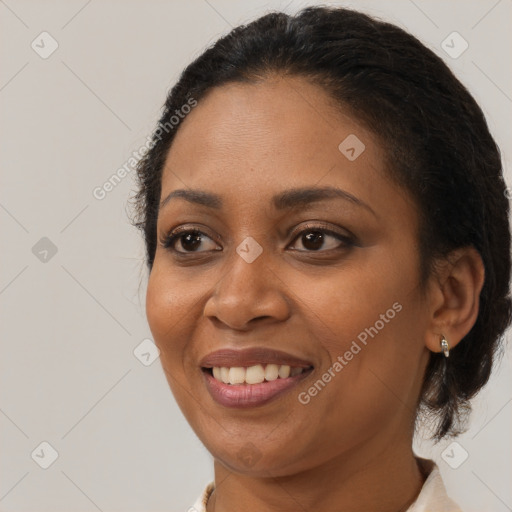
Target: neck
point(388, 481)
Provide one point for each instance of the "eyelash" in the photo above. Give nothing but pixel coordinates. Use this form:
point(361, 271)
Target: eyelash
point(168, 240)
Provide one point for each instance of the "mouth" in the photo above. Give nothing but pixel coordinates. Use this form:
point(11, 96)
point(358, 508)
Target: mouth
point(252, 377)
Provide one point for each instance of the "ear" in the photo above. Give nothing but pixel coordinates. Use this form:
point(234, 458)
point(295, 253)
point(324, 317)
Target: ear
point(453, 297)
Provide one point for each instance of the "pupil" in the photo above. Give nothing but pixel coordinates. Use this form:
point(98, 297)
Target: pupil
point(314, 239)
point(190, 241)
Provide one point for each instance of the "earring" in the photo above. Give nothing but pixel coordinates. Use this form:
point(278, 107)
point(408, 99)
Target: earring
point(445, 346)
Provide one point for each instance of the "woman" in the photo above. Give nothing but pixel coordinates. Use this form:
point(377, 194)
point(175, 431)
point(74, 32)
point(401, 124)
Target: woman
point(326, 226)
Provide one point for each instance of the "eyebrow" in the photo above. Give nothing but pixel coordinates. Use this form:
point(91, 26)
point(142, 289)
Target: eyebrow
point(289, 199)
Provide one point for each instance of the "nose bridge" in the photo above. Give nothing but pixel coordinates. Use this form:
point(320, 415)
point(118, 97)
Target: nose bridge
point(248, 288)
point(247, 271)
point(251, 262)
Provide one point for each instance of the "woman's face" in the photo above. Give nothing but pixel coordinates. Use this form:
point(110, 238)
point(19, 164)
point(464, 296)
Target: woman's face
point(328, 279)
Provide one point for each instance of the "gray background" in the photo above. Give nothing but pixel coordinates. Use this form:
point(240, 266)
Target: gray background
point(71, 320)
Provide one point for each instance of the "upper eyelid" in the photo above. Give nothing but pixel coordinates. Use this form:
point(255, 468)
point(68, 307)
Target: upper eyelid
point(189, 227)
point(320, 225)
point(175, 233)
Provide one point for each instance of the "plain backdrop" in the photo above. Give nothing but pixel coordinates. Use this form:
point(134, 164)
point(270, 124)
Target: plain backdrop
point(72, 278)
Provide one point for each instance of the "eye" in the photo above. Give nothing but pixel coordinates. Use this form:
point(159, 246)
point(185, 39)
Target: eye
point(190, 240)
point(314, 238)
point(320, 239)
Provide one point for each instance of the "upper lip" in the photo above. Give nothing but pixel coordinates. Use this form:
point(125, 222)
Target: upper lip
point(251, 357)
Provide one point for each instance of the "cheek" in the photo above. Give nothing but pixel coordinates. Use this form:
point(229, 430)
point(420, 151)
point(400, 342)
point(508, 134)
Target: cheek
point(169, 302)
point(347, 304)
point(169, 308)
point(370, 315)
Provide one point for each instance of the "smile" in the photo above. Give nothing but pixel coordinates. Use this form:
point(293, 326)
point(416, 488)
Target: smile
point(253, 376)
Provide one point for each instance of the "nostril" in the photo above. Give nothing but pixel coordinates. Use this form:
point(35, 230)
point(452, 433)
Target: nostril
point(260, 319)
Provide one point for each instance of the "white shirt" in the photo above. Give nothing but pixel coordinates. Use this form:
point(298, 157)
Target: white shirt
point(432, 497)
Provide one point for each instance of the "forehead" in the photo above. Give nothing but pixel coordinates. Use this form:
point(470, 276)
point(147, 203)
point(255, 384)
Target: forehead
point(251, 140)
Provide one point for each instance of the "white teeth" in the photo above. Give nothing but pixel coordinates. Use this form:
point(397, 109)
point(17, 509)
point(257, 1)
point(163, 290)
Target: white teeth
point(224, 375)
point(254, 374)
point(271, 372)
point(237, 375)
point(284, 371)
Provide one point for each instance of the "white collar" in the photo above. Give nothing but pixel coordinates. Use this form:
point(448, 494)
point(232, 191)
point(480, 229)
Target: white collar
point(432, 496)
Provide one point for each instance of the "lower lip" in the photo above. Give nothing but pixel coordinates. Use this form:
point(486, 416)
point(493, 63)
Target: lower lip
point(241, 396)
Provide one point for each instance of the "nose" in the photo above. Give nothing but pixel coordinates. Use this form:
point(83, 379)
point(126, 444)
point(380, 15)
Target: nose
point(246, 294)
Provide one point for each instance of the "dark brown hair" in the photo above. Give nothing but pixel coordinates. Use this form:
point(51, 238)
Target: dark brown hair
point(437, 143)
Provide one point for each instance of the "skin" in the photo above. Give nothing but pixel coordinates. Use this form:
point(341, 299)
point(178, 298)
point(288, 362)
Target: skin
point(246, 143)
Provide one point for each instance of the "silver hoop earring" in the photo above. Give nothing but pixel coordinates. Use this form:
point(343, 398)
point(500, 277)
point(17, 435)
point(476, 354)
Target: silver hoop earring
point(445, 346)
